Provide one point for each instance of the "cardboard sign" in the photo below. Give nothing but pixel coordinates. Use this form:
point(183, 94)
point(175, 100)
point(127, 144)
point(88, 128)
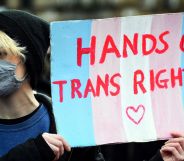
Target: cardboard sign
point(118, 79)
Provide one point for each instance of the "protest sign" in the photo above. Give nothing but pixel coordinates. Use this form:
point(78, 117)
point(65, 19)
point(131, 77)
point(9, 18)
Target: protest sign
point(118, 79)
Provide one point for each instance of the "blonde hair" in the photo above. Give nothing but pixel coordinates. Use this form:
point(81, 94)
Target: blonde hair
point(8, 46)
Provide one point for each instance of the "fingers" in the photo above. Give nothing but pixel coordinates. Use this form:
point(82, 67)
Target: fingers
point(65, 144)
point(174, 148)
point(173, 151)
point(179, 140)
point(56, 143)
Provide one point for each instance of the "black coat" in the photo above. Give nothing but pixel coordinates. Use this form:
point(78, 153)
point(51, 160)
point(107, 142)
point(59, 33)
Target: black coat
point(38, 150)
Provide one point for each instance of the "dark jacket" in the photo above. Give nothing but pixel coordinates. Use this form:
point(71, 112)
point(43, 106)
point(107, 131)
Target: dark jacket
point(38, 150)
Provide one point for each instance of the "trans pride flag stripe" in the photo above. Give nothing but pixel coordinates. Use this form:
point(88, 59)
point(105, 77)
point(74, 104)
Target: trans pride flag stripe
point(65, 35)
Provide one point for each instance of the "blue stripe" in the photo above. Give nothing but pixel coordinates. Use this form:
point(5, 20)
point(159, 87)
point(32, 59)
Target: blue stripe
point(182, 61)
point(73, 116)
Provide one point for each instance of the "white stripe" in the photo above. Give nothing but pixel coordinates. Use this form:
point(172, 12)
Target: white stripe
point(145, 130)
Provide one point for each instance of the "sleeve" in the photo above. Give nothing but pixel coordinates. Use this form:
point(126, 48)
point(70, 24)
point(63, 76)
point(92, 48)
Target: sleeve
point(157, 157)
point(33, 149)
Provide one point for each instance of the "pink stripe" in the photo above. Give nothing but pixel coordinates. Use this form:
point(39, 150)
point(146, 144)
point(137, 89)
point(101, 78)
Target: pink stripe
point(167, 104)
point(107, 116)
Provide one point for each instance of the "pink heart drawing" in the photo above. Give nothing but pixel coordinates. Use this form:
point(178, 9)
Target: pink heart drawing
point(135, 114)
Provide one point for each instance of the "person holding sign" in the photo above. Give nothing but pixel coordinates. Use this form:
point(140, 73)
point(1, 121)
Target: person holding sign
point(27, 126)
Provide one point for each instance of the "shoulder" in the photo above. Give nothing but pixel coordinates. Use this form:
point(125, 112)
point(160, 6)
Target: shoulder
point(46, 100)
point(43, 98)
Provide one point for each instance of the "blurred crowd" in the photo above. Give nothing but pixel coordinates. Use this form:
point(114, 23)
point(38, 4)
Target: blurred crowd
point(84, 9)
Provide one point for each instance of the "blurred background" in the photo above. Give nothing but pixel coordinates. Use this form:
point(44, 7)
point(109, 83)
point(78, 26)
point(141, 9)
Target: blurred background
point(54, 10)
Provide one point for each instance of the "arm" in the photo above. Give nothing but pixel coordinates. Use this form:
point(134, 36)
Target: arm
point(33, 149)
point(46, 147)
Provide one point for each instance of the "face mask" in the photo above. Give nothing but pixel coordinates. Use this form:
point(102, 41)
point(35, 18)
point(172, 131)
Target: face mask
point(8, 81)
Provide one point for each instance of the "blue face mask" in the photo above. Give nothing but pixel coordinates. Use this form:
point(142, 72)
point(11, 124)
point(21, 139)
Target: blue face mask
point(8, 81)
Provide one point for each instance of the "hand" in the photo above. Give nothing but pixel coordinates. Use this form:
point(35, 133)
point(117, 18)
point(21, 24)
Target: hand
point(173, 150)
point(56, 143)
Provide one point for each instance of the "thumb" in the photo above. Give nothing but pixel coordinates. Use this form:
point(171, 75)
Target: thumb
point(176, 134)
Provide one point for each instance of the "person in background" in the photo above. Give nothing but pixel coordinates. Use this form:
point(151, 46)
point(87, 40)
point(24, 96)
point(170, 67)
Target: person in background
point(27, 125)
